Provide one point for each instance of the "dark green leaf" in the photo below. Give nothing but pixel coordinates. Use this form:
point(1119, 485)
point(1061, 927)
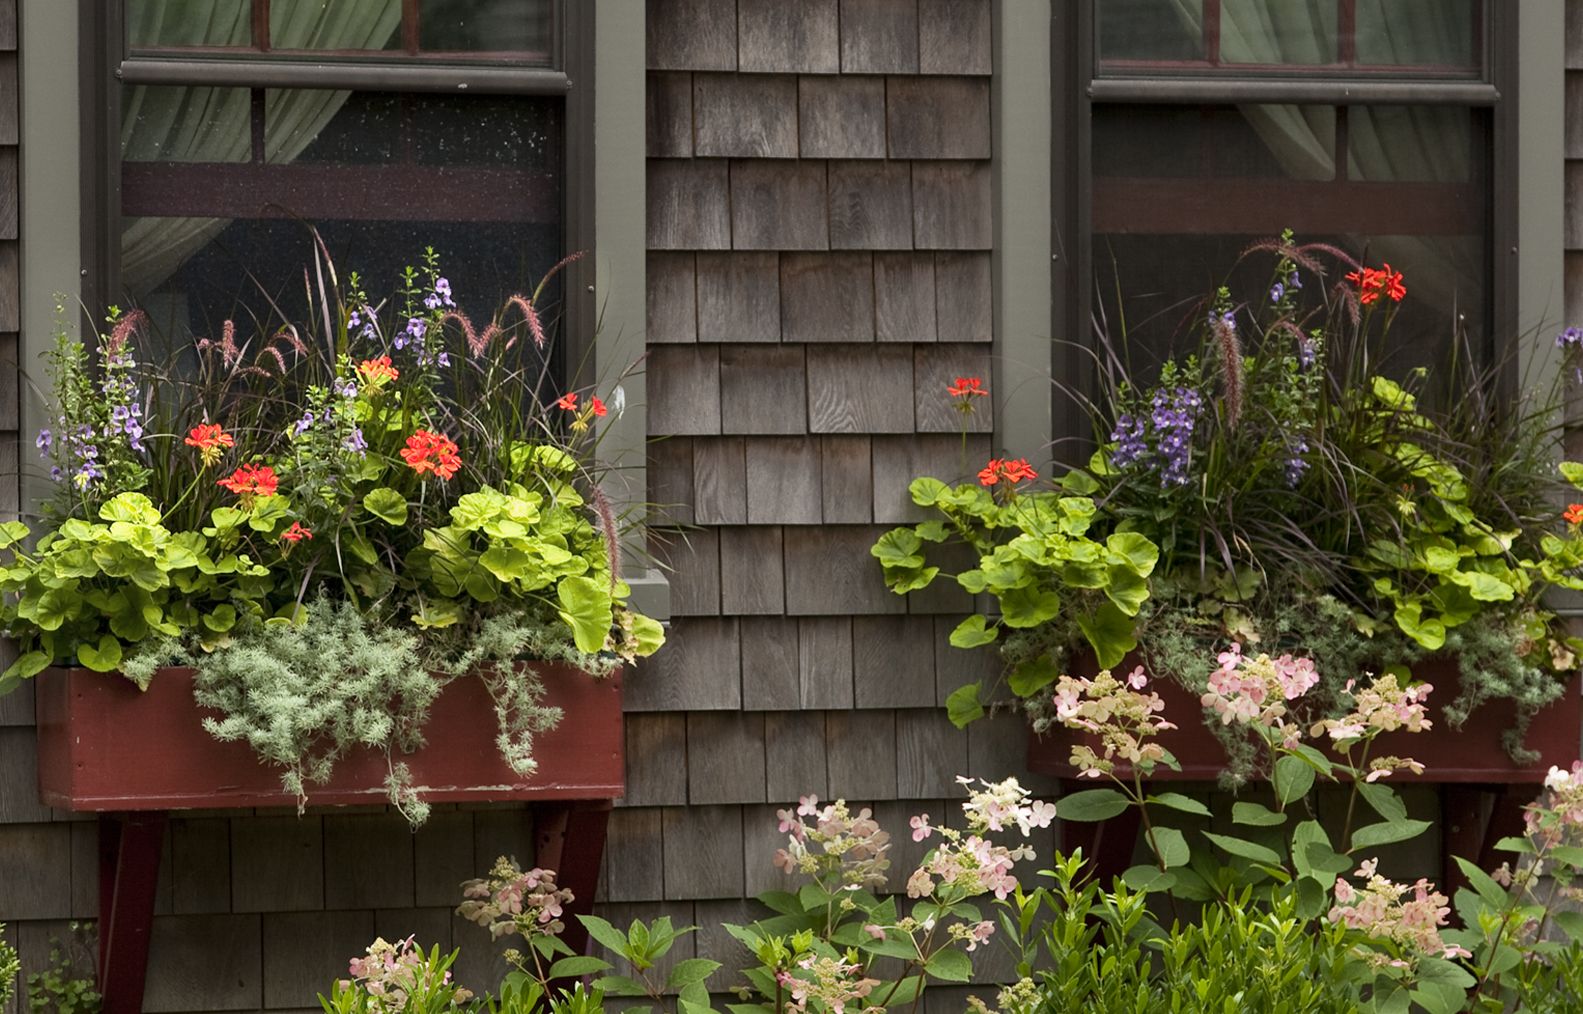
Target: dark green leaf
point(963, 705)
point(1177, 801)
point(1386, 833)
point(1256, 815)
point(1091, 804)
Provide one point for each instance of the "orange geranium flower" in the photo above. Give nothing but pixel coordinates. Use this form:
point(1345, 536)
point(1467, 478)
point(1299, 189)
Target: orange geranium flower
point(211, 441)
point(431, 452)
point(967, 387)
point(567, 401)
point(296, 533)
point(1574, 514)
point(1008, 470)
point(377, 371)
point(250, 481)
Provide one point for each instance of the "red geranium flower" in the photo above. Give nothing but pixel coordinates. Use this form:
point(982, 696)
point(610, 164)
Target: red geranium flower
point(210, 439)
point(250, 481)
point(431, 452)
point(567, 401)
point(967, 387)
point(1574, 514)
point(597, 406)
point(1009, 470)
point(1373, 283)
point(296, 533)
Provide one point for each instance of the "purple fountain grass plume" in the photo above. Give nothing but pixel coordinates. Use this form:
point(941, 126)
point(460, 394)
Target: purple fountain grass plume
point(607, 528)
point(568, 259)
point(123, 331)
point(1225, 332)
point(1348, 297)
point(535, 326)
point(280, 360)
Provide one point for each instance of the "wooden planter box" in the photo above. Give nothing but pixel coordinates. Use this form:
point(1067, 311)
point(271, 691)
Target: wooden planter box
point(132, 756)
point(1471, 754)
point(105, 745)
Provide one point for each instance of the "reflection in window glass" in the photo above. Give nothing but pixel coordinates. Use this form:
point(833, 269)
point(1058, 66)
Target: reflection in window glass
point(1414, 144)
point(1268, 141)
point(465, 26)
point(334, 24)
point(1432, 33)
point(1151, 29)
point(185, 124)
point(1289, 32)
point(151, 23)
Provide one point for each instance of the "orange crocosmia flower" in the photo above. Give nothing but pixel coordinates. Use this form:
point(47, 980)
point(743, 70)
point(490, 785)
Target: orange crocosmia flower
point(431, 452)
point(967, 387)
point(211, 440)
point(1574, 514)
point(377, 371)
point(250, 481)
point(598, 407)
point(296, 533)
point(567, 401)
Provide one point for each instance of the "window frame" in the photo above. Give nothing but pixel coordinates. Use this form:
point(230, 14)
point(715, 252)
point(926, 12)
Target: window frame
point(1074, 45)
point(106, 63)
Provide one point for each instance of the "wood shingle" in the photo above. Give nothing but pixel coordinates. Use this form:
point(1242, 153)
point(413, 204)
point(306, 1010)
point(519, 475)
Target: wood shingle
point(824, 661)
point(790, 38)
point(656, 747)
point(683, 390)
point(670, 115)
point(281, 863)
point(829, 570)
point(904, 297)
point(784, 481)
point(692, 34)
point(870, 205)
point(634, 855)
point(930, 753)
point(860, 389)
point(841, 117)
point(719, 482)
point(954, 36)
point(305, 950)
point(442, 856)
point(827, 297)
point(725, 757)
point(670, 480)
point(951, 206)
point(694, 559)
point(893, 661)
point(879, 36)
point(751, 578)
point(847, 483)
point(672, 297)
point(771, 674)
point(861, 753)
point(938, 366)
point(794, 755)
point(698, 669)
point(937, 117)
point(965, 304)
point(739, 297)
point(763, 389)
point(745, 116)
point(703, 852)
point(209, 963)
point(778, 205)
point(689, 204)
point(900, 460)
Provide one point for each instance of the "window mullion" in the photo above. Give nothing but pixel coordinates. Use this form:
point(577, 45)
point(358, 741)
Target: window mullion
point(261, 25)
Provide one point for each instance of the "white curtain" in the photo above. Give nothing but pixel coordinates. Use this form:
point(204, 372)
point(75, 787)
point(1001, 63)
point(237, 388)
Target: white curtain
point(1386, 144)
point(205, 124)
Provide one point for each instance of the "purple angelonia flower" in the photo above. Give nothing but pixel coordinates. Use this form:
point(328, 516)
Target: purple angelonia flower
point(1571, 338)
point(1276, 292)
point(302, 425)
point(1128, 437)
point(355, 443)
point(56, 475)
point(45, 441)
point(1296, 464)
point(442, 288)
point(346, 388)
point(1307, 352)
point(1296, 281)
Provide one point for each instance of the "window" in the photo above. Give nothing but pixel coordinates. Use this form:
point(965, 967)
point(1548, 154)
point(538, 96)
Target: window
point(231, 125)
point(1205, 125)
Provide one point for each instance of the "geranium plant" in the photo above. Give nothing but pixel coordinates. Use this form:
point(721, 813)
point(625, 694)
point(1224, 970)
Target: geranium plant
point(1277, 486)
point(383, 488)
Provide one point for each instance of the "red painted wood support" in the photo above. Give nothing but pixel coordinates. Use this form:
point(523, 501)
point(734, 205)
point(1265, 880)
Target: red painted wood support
point(571, 840)
point(129, 853)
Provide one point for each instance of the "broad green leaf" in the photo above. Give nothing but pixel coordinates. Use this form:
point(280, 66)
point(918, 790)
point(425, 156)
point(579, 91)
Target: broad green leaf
point(1514, 844)
point(1256, 815)
point(1032, 676)
point(102, 657)
point(1149, 879)
point(950, 964)
point(578, 966)
point(620, 985)
point(27, 665)
point(964, 705)
point(585, 606)
point(1493, 894)
point(648, 635)
point(507, 563)
point(1386, 833)
point(1177, 801)
point(1170, 846)
point(1110, 632)
point(689, 971)
point(1570, 923)
point(926, 491)
point(1383, 800)
point(387, 505)
point(1091, 804)
point(12, 532)
point(1029, 607)
point(1245, 849)
point(1136, 550)
point(1293, 778)
point(1312, 899)
point(134, 508)
point(1572, 472)
point(973, 632)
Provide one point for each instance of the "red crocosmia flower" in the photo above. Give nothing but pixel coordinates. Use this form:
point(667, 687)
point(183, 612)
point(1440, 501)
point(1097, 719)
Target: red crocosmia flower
point(567, 401)
point(431, 452)
point(967, 387)
point(377, 371)
point(598, 407)
point(1008, 470)
point(1574, 514)
point(211, 441)
point(296, 533)
point(250, 481)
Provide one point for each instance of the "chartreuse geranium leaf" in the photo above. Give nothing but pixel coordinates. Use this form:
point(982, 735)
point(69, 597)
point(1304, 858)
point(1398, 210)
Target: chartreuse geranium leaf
point(964, 705)
point(648, 635)
point(133, 508)
point(1572, 472)
point(1032, 676)
point(585, 606)
point(926, 491)
point(1110, 632)
point(1136, 549)
point(27, 665)
point(1091, 805)
point(102, 657)
point(898, 548)
point(387, 505)
point(974, 632)
point(1029, 607)
point(267, 513)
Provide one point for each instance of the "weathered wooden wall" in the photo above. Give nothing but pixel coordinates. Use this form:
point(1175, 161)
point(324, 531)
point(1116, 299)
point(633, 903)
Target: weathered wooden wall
point(819, 231)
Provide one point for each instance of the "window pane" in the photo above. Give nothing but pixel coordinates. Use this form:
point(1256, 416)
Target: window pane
point(381, 176)
point(151, 23)
point(1430, 33)
point(1414, 144)
point(1163, 142)
point(177, 124)
point(1288, 32)
point(1151, 29)
point(521, 26)
point(334, 24)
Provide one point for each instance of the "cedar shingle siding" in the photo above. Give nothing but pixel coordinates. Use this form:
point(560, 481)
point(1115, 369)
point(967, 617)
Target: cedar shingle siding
point(819, 231)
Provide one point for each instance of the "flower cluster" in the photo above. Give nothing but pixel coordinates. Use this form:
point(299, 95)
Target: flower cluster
point(251, 481)
point(1408, 915)
point(1121, 715)
point(967, 864)
point(1008, 470)
point(851, 848)
point(377, 372)
point(963, 391)
point(512, 900)
point(211, 439)
point(1382, 706)
point(1163, 439)
point(390, 974)
point(1255, 690)
point(831, 982)
point(1373, 283)
point(431, 452)
point(1570, 338)
point(583, 416)
point(1573, 514)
